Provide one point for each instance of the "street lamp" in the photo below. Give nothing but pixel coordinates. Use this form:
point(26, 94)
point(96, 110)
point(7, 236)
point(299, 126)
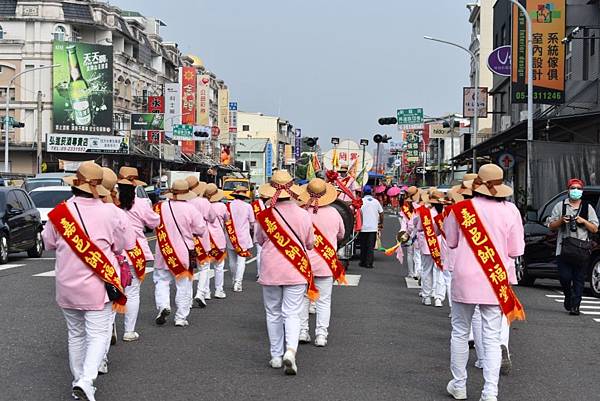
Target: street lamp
point(476, 113)
point(6, 119)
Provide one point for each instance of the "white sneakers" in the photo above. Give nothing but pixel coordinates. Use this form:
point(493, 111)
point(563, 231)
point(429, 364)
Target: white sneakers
point(320, 340)
point(312, 308)
point(276, 363)
point(207, 295)
point(181, 323)
point(237, 286)
point(437, 303)
point(131, 336)
point(456, 393)
point(84, 391)
point(289, 363)
point(220, 294)
point(161, 318)
point(304, 337)
point(427, 301)
point(103, 368)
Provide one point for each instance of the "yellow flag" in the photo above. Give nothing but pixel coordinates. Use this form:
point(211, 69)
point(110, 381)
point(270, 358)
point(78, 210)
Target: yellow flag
point(335, 161)
point(310, 169)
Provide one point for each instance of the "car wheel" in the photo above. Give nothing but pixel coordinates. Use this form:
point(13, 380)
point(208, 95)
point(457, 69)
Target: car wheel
point(38, 248)
point(523, 278)
point(595, 279)
point(3, 249)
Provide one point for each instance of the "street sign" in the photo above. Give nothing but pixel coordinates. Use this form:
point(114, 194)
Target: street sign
point(438, 131)
point(499, 61)
point(506, 161)
point(469, 102)
point(397, 163)
point(410, 118)
point(183, 132)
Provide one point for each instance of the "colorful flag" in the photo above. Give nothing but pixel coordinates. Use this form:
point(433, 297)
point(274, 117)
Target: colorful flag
point(310, 169)
point(335, 160)
point(315, 163)
point(360, 177)
point(353, 168)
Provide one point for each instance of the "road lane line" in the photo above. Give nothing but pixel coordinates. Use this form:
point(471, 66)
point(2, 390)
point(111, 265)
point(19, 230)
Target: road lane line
point(590, 313)
point(8, 266)
point(597, 320)
point(412, 283)
point(352, 279)
point(250, 260)
point(583, 302)
point(562, 297)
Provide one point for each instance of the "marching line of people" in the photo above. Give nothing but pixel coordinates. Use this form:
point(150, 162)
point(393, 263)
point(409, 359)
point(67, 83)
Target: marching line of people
point(102, 253)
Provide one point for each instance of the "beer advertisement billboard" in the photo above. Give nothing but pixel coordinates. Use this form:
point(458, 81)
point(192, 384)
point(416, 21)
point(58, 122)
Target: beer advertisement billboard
point(82, 88)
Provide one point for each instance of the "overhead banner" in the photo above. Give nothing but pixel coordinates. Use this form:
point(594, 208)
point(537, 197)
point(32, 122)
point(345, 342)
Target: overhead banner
point(172, 105)
point(469, 103)
point(188, 95)
point(82, 95)
point(549, 20)
point(223, 121)
point(71, 143)
point(148, 121)
point(202, 116)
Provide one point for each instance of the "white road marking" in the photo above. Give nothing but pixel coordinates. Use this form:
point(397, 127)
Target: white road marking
point(250, 260)
point(6, 267)
point(583, 302)
point(411, 283)
point(352, 279)
point(590, 313)
point(589, 305)
point(34, 259)
point(562, 297)
point(597, 320)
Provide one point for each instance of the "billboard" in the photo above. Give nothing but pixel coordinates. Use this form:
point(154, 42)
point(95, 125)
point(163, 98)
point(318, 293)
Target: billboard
point(298, 144)
point(233, 108)
point(156, 104)
point(188, 95)
point(172, 105)
point(223, 119)
point(148, 121)
point(202, 115)
point(225, 154)
point(71, 143)
point(548, 18)
point(469, 102)
point(82, 94)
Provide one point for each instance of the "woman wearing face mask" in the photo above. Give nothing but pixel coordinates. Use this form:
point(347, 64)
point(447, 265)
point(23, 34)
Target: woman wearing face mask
point(572, 218)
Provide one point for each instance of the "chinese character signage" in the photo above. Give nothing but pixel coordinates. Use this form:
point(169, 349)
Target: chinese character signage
point(188, 95)
point(548, 18)
point(269, 160)
point(233, 107)
point(203, 99)
point(188, 147)
point(148, 121)
point(412, 147)
point(172, 105)
point(82, 96)
point(223, 115)
point(183, 132)
point(469, 103)
point(410, 118)
point(70, 143)
point(298, 144)
point(156, 104)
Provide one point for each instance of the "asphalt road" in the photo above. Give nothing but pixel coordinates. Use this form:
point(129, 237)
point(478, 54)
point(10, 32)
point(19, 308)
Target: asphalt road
point(383, 345)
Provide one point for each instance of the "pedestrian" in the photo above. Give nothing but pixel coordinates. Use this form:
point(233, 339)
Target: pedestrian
point(328, 226)
point(175, 255)
point(485, 232)
point(216, 232)
point(239, 223)
point(407, 211)
point(258, 205)
point(574, 219)
point(86, 235)
point(286, 235)
point(205, 212)
point(139, 215)
point(372, 223)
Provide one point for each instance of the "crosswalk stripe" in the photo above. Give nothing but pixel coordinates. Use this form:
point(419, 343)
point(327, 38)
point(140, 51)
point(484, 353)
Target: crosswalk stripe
point(250, 260)
point(6, 267)
point(412, 283)
point(597, 320)
point(588, 307)
point(352, 279)
point(583, 302)
point(590, 313)
point(562, 297)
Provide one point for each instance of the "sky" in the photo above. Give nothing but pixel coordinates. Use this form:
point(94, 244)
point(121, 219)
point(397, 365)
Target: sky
point(330, 67)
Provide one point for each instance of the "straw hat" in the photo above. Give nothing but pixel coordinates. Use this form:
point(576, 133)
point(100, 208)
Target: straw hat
point(317, 193)
point(490, 182)
point(213, 193)
point(198, 187)
point(435, 196)
point(281, 186)
point(109, 180)
point(461, 189)
point(454, 196)
point(412, 193)
point(88, 179)
point(129, 176)
point(241, 192)
point(180, 190)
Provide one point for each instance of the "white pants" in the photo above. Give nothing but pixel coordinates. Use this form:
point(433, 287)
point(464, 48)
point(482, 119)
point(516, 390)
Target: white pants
point(283, 305)
point(219, 275)
point(491, 323)
point(446, 282)
point(410, 262)
point(237, 265)
point(87, 333)
point(203, 286)
point(133, 302)
point(477, 336)
point(323, 304)
point(432, 281)
point(258, 249)
point(162, 293)
point(417, 262)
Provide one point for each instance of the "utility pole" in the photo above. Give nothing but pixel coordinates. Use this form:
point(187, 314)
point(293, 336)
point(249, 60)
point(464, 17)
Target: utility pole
point(40, 107)
point(439, 160)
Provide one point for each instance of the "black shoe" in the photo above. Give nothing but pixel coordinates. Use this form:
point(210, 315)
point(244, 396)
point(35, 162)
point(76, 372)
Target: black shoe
point(574, 311)
point(200, 302)
point(162, 317)
point(567, 304)
point(368, 267)
point(471, 344)
point(506, 364)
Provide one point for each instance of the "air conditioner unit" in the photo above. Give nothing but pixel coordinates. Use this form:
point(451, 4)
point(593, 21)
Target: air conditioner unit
point(505, 122)
point(523, 115)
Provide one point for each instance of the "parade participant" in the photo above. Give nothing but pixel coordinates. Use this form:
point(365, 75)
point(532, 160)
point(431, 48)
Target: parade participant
point(575, 220)
point(239, 223)
point(328, 225)
point(217, 236)
point(372, 222)
point(175, 256)
point(349, 181)
point(258, 205)
point(86, 235)
point(286, 235)
point(430, 248)
point(486, 231)
point(140, 215)
point(452, 198)
point(406, 214)
point(203, 246)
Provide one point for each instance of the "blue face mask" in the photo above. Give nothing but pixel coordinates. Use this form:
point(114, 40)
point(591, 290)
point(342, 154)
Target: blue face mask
point(575, 194)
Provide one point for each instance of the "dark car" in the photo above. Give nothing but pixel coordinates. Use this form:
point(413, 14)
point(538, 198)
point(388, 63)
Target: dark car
point(539, 260)
point(20, 224)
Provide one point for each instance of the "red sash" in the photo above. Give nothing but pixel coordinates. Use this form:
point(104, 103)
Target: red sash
point(88, 252)
point(406, 210)
point(215, 253)
point(487, 256)
point(326, 251)
point(292, 251)
point(430, 237)
point(257, 207)
point(138, 260)
point(233, 235)
point(439, 221)
point(201, 254)
point(166, 249)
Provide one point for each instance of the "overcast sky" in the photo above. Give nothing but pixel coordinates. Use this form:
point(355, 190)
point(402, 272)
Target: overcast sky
point(331, 67)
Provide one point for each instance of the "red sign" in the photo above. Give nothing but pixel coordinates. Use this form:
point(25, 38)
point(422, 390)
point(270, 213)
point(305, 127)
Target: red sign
point(156, 136)
point(188, 95)
point(156, 104)
point(188, 147)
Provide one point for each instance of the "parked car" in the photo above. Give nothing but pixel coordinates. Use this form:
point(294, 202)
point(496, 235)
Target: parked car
point(47, 198)
point(539, 260)
point(44, 180)
point(20, 224)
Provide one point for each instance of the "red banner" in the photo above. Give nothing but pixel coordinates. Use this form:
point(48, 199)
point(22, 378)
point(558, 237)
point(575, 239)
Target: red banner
point(230, 228)
point(166, 249)
point(188, 95)
point(326, 251)
point(138, 260)
point(215, 253)
point(201, 254)
point(188, 147)
point(430, 236)
point(406, 210)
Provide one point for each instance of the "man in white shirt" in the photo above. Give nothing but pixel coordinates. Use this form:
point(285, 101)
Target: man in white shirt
point(372, 221)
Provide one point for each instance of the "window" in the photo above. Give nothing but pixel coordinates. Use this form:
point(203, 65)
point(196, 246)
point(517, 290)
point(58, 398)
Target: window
point(23, 200)
point(245, 128)
point(12, 201)
point(1, 32)
point(59, 33)
point(252, 163)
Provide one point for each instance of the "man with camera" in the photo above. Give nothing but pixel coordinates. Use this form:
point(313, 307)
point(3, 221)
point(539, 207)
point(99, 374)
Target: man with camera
point(574, 219)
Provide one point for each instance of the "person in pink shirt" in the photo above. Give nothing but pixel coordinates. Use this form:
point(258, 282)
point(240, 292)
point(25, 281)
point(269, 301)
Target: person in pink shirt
point(470, 285)
point(262, 202)
point(139, 216)
point(283, 284)
point(242, 216)
point(405, 219)
point(316, 197)
point(80, 292)
point(202, 205)
point(415, 200)
point(217, 232)
point(181, 222)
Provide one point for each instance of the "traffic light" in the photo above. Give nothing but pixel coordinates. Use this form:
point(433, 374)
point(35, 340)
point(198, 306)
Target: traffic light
point(388, 121)
point(201, 134)
point(378, 138)
point(456, 124)
point(311, 142)
point(17, 124)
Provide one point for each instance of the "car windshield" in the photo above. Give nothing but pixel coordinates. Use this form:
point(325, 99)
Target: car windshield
point(49, 199)
point(30, 185)
point(230, 185)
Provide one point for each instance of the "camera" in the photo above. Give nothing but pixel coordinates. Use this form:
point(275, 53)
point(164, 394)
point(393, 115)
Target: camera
point(572, 223)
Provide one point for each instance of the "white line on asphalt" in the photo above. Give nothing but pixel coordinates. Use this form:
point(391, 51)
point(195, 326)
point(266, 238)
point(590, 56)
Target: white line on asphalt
point(250, 260)
point(590, 313)
point(352, 279)
point(34, 259)
point(412, 283)
point(6, 267)
point(583, 302)
point(562, 297)
point(597, 320)
point(588, 307)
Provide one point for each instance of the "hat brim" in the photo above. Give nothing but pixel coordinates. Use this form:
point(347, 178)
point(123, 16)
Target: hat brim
point(135, 183)
point(455, 196)
point(239, 195)
point(216, 197)
point(70, 180)
point(502, 190)
point(267, 191)
point(183, 197)
point(200, 189)
point(462, 191)
point(327, 198)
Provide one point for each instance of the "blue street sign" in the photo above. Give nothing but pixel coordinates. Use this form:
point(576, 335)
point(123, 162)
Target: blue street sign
point(232, 105)
point(269, 161)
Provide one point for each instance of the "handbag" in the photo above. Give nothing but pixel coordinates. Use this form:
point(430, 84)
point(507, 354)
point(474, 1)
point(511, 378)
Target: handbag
point(574, 250)
point(192, 255)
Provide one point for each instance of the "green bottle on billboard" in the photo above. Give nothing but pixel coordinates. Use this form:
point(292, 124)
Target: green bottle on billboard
point(78, 90)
